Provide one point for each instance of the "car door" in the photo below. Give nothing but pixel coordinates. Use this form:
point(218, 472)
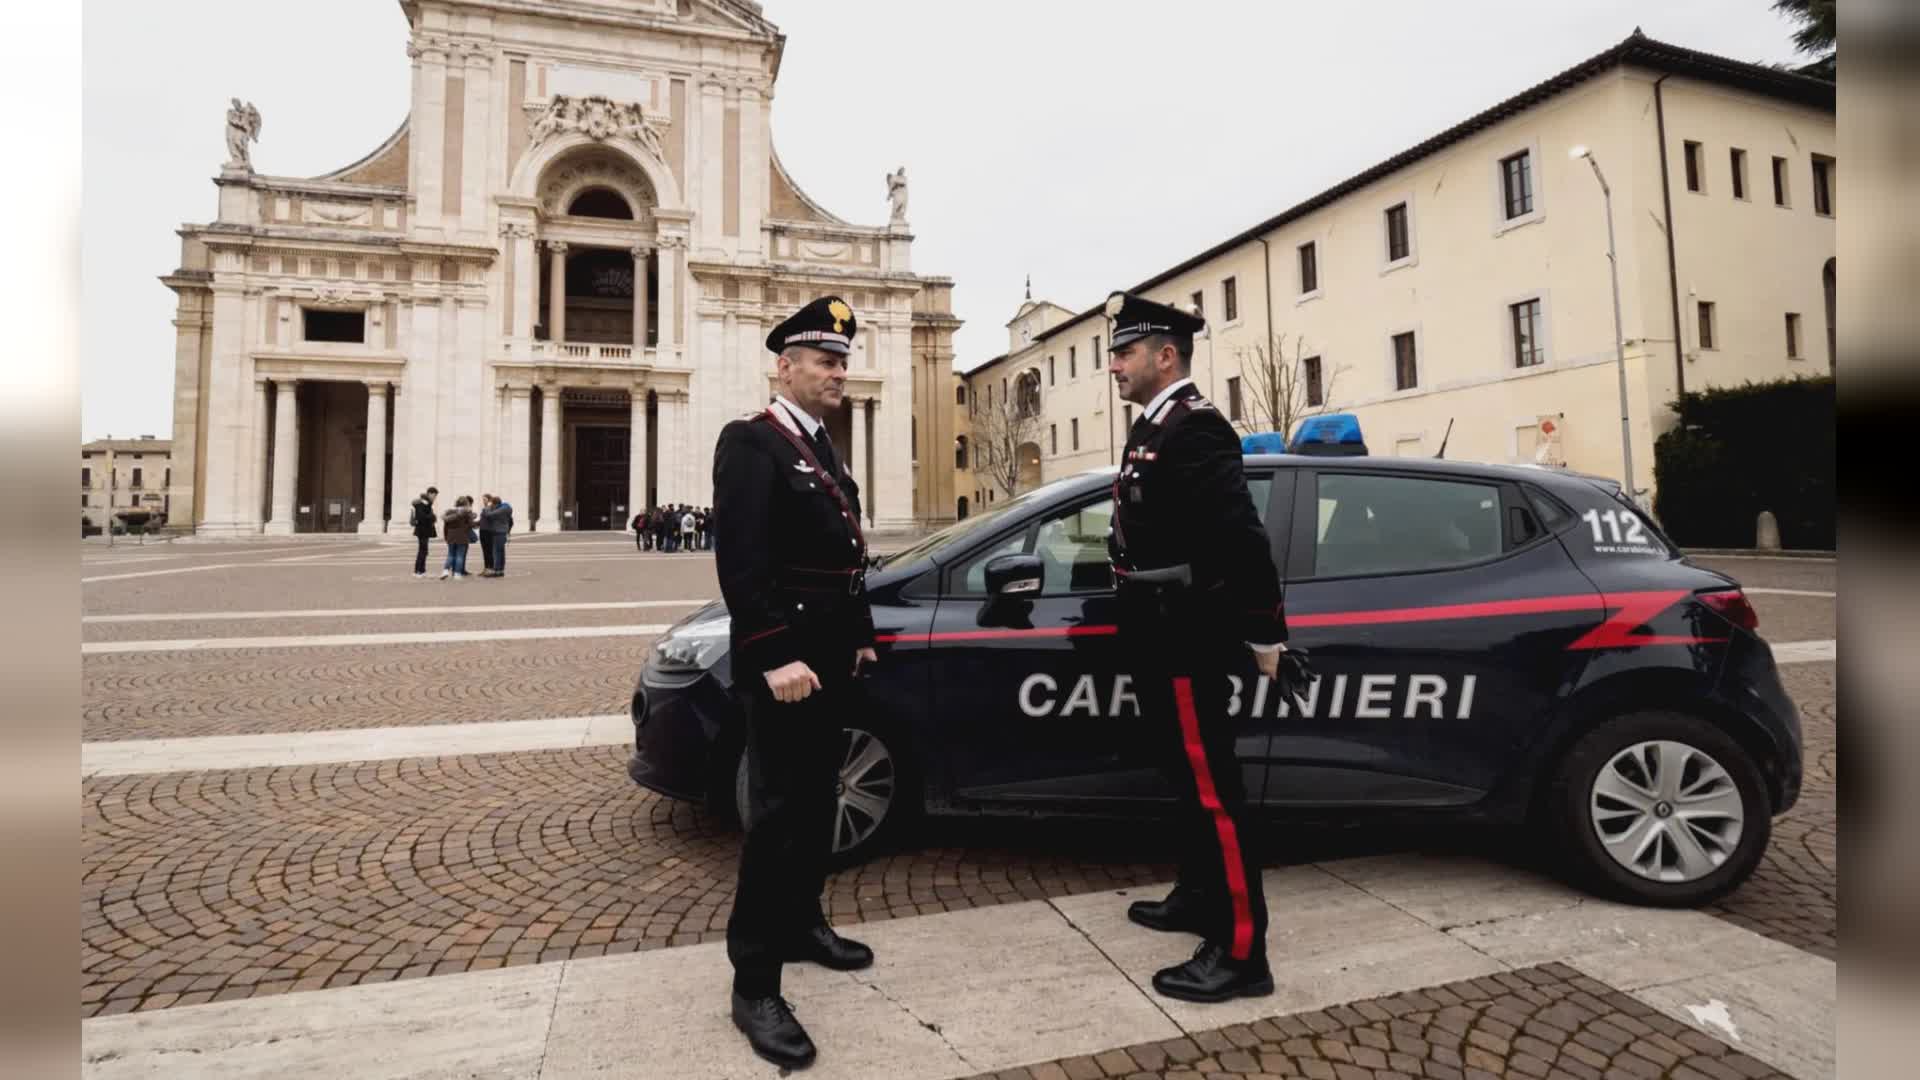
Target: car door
point(1438, 612)
point(1030, 692)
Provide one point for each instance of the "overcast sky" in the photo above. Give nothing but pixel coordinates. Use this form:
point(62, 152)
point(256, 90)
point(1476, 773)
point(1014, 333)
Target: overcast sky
point(1028, 129)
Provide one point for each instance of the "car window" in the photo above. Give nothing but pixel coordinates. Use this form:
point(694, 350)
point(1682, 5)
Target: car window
point(1396, 524)
point(1073, 550)
point(1072, 545)
point(970, 578)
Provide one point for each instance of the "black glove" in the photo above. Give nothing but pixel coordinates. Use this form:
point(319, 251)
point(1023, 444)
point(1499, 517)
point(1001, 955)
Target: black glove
point(1295, 674)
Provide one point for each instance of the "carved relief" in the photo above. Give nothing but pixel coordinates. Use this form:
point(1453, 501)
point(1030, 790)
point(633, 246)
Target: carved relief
point(598, 118)
point(338, 213)
point(602, 168)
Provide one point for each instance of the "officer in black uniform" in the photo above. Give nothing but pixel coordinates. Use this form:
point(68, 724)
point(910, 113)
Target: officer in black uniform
point(791, 560)
point(1196, 588)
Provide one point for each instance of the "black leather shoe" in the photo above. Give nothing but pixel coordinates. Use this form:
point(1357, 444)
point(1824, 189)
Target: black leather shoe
point(772, 1031)
point(1180, 913)
point(828, 949)
point(1214, 976)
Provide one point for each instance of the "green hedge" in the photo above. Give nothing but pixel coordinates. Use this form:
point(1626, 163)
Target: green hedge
point(1740, 450)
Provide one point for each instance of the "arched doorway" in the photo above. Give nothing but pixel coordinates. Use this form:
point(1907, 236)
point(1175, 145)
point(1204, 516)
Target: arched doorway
point(961, 509)
point(1029, 457)
point(1826, 282)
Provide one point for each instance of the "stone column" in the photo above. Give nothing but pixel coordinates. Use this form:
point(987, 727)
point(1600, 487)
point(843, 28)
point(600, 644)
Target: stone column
point(550, 458)
point(286, 456)
point(262, 402)
point(373, 511)
point(669, 447)
point(857, 461)
point(640, 254)
point(517, 462)
point(637, 452)
point(557, 292)
point(668, 336)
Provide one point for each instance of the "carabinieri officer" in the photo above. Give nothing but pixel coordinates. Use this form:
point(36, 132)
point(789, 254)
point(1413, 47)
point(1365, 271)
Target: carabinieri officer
point(791, 559)
point(1197, 588)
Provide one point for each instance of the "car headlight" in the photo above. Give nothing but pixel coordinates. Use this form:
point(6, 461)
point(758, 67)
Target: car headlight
point(692, 648)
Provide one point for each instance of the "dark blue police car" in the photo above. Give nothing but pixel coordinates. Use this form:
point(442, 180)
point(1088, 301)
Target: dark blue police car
point(1496, 644)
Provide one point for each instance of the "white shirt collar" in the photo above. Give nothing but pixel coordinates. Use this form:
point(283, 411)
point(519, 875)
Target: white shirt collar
point(796, 417)
point(1160, 399)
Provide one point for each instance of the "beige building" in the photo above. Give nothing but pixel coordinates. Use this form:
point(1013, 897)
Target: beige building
point(1466, 279)
point(118, 475)
point(553, 282)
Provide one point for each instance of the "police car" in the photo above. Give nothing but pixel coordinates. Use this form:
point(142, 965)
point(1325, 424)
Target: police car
point(1495, 644)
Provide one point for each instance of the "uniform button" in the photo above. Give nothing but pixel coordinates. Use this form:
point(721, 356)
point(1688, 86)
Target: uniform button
point(799, 607)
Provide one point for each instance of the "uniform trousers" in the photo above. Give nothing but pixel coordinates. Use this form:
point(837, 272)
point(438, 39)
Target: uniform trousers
point(794, 754)
point(1183, 692)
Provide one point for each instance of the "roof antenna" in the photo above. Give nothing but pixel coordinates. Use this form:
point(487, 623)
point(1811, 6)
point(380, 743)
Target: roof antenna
point(1443, 440)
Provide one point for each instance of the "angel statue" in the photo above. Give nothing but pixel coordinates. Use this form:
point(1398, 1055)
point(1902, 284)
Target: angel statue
point(897, 194)
point(243, 126)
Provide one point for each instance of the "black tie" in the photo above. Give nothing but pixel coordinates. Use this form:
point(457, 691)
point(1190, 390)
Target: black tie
point(823, 446)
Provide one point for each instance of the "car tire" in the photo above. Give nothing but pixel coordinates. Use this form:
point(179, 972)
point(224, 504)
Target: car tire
point(875, 766)
point(1660, 808)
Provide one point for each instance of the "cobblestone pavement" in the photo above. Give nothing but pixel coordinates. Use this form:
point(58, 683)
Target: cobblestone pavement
point(1547, 1021)
point(244, 691)
point(1794, 895)
point(214, 886)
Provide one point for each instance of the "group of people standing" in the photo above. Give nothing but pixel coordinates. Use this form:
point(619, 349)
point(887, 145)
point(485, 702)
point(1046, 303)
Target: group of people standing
point(674, 527)
point(491, 524)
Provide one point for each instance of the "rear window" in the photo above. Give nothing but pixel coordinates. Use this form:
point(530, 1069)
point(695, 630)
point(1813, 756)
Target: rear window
point(1370, 524)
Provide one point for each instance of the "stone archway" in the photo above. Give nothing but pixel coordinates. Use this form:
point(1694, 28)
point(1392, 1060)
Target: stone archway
point(1029, 458)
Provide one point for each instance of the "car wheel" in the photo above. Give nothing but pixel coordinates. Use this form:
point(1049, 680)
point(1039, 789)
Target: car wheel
point(875, 793)
point(1661, 808)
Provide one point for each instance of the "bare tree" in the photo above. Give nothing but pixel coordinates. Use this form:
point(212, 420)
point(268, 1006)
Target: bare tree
point(999, 431)
point(1280, 392)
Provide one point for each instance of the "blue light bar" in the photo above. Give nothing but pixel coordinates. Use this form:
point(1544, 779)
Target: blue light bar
point(1330, 435)
point(1263, 442)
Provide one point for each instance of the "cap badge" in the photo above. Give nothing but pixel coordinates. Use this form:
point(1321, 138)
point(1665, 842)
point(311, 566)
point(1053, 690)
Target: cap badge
point(840, 312)
point(1114, 304)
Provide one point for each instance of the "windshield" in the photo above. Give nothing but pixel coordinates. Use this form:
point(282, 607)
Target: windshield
point(985, 521)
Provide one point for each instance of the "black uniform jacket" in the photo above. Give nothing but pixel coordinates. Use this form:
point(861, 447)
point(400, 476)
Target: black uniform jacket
point(789, 557)
point(1181, 498)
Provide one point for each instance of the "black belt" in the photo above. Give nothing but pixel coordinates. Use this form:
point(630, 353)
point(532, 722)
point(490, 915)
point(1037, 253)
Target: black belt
point(848, 582)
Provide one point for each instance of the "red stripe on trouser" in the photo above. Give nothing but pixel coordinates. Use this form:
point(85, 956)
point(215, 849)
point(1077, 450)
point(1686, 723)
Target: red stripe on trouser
point(1222, 824)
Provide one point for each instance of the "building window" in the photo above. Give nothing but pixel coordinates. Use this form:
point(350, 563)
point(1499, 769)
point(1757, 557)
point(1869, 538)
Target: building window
point(1127, 413)
point(960, 452)
point(1793, 336)
point(1706, 325)
point(1527, 349)
point(1198, 303)
point(1076, 433)
point(1737, 162)
point(1233, 398)
point(1073, 364)
point(989, 396)
point(960, 394)
point(1230, 299)
point(1310, 369)
point(1780, 182)
point(1053, 438)
point(1398, 245)
point(1692, 153)
point(1516, 184)
point(318, 324)
point(1309, 268)
point(1050, 371)
point(1406, 367)
point(86, 477)
point(1096, 349)
point(83, 500)
point(136, 478)
point(1822, 185)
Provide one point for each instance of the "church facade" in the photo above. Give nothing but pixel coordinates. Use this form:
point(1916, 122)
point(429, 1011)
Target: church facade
point(552, 283)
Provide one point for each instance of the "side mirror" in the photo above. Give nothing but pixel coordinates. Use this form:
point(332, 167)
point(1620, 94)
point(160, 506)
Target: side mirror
point(1014, 575)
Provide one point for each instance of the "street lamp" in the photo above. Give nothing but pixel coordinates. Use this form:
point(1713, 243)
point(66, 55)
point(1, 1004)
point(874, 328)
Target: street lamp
point(1619, 336)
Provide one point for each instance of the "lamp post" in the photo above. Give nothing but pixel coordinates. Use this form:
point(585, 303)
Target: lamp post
point(1619, 337)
